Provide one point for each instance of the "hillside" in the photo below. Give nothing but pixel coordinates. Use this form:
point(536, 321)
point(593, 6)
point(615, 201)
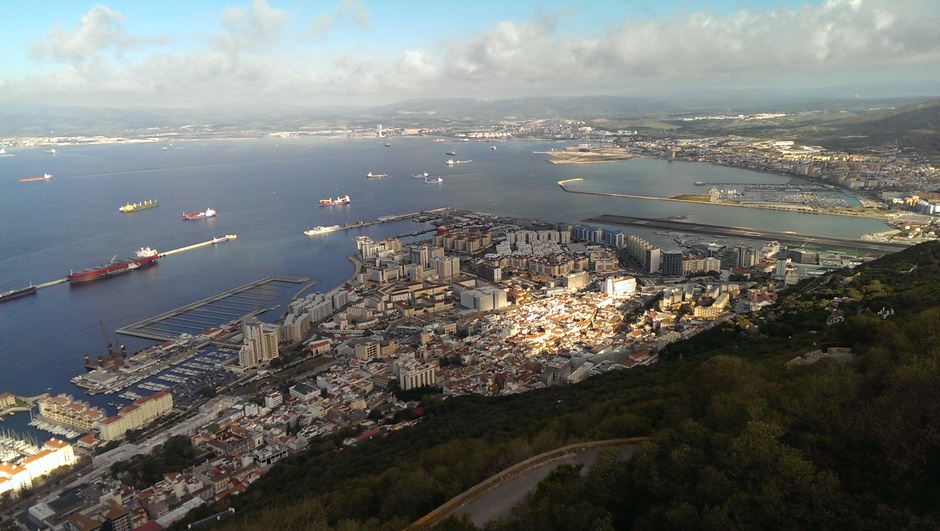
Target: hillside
point(740, 439)
point(911, 126)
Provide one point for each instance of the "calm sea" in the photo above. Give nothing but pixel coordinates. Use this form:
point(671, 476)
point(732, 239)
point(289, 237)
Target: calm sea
point(266, 192)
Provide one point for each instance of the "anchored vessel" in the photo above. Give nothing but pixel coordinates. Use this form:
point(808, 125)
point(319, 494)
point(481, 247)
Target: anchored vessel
point(45, 177)
point(320, 229)
point(333, 202)
point(207, 213)
point(17, 293)
point(421, 175)
point(143, 205)
point(371, 175)
point(144, 257)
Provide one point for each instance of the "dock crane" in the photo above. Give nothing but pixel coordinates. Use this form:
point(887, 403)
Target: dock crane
point(106, 338)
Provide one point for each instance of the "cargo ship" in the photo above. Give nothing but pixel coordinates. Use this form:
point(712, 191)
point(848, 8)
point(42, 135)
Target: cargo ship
point(422, 175)
point(17, 293)
point(320, 229)
point(145, 256)
point(371, 175)
point(334, 202)
point(143, 205)
point(207, 213)
point(45, 177)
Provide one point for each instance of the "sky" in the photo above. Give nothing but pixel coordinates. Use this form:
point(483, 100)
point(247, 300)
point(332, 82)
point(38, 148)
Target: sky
point(193, 53)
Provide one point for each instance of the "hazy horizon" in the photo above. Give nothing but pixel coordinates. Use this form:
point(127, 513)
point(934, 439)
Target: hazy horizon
point(366, 53)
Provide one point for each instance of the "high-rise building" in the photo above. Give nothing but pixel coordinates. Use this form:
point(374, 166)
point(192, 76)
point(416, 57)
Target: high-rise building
point(672, 263)
point(654, 259)
point(259, 345)
point(447, 267)
point(421, 254)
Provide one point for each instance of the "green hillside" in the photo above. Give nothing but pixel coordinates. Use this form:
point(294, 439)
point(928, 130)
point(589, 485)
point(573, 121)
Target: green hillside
point(740, 439)
point(911, 126)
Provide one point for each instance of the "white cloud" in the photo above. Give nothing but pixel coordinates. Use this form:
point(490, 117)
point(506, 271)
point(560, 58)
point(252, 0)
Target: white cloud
point(258, 25)
point(348, 13)
point(255, 56)
point(100, 30)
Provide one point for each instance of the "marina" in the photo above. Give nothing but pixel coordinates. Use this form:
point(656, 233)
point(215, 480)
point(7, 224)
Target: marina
point(214, 313)
point(14, 446)
point(61, 430)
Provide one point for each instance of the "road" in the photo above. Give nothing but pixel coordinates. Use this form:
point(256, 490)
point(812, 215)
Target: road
point(495, 496)
point(499, 501)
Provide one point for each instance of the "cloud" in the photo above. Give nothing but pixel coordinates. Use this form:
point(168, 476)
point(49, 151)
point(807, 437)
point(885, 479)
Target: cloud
point(258, 25)
point(255, 56)
point(348, 13)
point(813, 42)
point(100, 30)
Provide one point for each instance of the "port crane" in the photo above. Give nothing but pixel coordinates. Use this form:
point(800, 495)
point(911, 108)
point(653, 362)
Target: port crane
point(106, 338)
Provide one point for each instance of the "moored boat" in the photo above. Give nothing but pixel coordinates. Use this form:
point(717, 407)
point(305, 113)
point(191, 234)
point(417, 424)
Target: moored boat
point(143, 205)
point(17, 293)
point(207, 213)
point(320, 229)
point(144, 257)
point(334, 202)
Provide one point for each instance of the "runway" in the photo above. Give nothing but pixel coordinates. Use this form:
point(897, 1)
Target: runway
point(790, 238)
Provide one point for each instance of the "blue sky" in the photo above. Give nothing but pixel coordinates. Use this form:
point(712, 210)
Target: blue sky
point(193, 53)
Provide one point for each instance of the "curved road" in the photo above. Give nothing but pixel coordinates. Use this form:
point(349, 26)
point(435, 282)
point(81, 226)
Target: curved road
point(495, 497)
point(499, 501)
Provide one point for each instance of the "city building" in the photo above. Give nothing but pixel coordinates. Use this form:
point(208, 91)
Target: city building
point(620, 286)
point(484, 298)
point(672, 263)
point(259, 344)
point(64, 410)
point(136, 415)
point(416, 375)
